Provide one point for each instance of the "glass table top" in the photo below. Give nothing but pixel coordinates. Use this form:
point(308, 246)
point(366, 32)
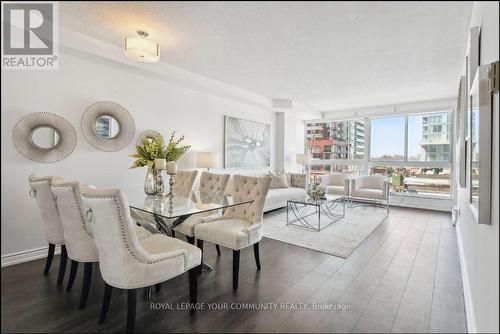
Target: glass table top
point(197, 202)
point(306, 199)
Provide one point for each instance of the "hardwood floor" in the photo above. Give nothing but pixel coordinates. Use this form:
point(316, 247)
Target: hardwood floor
point(404, 277)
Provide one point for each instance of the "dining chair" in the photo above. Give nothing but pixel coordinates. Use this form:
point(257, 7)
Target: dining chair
point(80, 244)
point(239, 226)
point(53, 228)
point(183, 182)
point(127, 262)
point(212, 186)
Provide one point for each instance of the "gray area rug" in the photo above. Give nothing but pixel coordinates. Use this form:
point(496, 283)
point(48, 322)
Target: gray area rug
point(339, 239)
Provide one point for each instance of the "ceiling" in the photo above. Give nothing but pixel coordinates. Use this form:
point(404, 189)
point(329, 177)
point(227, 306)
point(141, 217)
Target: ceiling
point(328, 56)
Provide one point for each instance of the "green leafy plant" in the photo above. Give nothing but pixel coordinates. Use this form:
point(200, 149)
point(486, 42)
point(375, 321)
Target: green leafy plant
point(155, 148)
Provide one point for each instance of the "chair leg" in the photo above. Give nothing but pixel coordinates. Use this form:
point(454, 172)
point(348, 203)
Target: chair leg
point(50, 257)
point(199, 243)
point(148, 292)
point(218, 249)
point(62, 265)
point(87, 276)
point(256, 254)
point(173, 233)
point(131, 304)
point(193, 288)
point(190, 239)
point(72, 274)
point(236, 268)
point(105, 302)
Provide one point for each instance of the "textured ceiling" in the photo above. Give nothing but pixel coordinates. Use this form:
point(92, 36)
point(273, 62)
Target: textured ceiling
point(326, 55)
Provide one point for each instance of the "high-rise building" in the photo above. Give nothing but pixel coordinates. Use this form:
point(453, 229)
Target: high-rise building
point(436, 137)
point(340, 140)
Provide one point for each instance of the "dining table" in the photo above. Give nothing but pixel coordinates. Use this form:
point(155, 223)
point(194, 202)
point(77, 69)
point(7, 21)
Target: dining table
point(165, 212)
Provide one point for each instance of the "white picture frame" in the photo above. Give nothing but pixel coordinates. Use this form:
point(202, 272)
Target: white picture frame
point(480, 145)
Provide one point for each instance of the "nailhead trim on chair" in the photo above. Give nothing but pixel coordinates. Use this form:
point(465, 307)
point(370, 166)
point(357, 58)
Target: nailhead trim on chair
point(78, 204)
point(124, 237)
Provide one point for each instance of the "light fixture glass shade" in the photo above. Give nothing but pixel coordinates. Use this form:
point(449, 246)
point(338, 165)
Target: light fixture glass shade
point(303, 158)
point(207, 160)
point(142, 49)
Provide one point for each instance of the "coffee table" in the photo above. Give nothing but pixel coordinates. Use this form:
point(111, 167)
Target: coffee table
point(315, 214)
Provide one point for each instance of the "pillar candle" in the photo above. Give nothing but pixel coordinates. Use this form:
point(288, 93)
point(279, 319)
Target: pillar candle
point(171, 168)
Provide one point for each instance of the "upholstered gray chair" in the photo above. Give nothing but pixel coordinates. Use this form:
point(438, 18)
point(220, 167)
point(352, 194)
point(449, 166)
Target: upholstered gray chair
point(127, 262)
point(212, 185)
point(240, 226)
point(336, 183)
point(80, 243)
point(371, 187)
point(40, 190)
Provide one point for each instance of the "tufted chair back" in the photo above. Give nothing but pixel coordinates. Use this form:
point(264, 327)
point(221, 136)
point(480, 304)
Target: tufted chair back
point(122, 260)
point(247, 188)
point(214, 184)
point(183, 182)
point(77, 231)
point(40, 190)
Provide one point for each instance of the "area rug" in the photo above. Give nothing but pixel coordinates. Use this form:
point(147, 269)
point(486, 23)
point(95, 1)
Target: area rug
point(339, 239)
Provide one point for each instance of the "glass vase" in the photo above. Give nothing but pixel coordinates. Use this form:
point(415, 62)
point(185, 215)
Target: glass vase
point(150, 183)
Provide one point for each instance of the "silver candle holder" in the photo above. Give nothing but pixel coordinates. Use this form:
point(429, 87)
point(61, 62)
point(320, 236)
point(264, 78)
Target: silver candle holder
point(171, 171)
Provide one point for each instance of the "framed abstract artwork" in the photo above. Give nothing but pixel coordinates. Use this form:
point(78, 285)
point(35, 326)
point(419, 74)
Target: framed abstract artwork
point(247, 144)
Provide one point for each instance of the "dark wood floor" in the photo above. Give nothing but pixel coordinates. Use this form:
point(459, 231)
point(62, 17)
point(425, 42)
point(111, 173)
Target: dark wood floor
point(404, 277)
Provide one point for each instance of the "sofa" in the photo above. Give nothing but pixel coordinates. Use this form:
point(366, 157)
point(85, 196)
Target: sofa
point(279, 194)
point(277, 197)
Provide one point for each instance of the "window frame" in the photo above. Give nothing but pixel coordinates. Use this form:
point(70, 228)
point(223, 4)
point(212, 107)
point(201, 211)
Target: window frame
point(366, 163)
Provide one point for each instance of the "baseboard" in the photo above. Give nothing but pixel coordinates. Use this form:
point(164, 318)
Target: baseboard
point(469, 307)
point(26, 256)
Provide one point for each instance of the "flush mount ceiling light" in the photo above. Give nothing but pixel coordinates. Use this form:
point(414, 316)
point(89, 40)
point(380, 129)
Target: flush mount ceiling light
point(142, 49)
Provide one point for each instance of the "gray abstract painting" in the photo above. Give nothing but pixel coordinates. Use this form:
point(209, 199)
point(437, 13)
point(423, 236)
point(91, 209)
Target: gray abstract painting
point(247, 143)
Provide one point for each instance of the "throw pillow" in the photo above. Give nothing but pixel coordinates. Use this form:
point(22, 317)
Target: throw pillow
point(278, 181)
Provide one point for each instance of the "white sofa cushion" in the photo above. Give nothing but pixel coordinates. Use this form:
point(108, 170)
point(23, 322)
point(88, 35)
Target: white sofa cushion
point(277, 198)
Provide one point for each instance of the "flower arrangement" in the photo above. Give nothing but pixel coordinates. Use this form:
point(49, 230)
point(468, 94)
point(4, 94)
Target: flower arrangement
point(155, 148)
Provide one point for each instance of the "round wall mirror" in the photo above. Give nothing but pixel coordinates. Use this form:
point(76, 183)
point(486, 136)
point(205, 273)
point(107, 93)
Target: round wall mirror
point(45, 137)
point(107, 127)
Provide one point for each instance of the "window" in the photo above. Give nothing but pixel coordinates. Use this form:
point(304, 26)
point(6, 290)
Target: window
point(388, 139)
point(336, 140)
point(414, 151)
point(417, 180)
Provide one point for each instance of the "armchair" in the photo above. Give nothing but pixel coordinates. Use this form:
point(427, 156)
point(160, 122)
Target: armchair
point(371, 187)
point(336, 183)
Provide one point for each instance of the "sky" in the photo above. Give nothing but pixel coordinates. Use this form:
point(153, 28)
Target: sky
point(388, 136)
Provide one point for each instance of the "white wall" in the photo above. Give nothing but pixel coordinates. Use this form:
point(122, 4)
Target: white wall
point(479, 244)
point(195, 108)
